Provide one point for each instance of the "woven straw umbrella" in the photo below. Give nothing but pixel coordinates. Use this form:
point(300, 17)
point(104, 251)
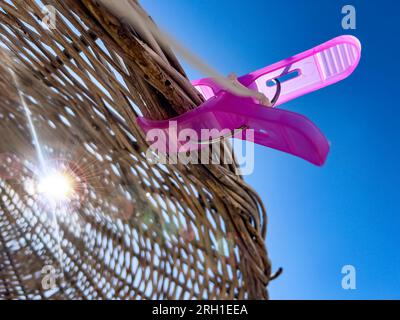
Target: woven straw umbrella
point(133, 229)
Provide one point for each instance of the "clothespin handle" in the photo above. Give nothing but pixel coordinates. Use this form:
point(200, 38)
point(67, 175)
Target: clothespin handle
point(303, 73)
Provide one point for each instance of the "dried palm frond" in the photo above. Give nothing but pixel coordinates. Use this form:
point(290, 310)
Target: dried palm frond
point(136, 230)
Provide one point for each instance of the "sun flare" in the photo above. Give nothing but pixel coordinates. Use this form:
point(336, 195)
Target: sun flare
point(56, 186)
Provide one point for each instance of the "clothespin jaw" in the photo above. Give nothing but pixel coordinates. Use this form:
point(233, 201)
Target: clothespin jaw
point(224, 114)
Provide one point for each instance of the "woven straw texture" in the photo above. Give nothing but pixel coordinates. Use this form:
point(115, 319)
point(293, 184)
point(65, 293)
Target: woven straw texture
point(135, 230)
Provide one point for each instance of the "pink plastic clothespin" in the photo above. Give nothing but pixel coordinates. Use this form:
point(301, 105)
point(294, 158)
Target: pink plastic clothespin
point(223, 112)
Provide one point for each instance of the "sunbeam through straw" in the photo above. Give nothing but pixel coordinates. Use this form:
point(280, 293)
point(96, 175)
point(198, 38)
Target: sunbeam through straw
point(42, 164)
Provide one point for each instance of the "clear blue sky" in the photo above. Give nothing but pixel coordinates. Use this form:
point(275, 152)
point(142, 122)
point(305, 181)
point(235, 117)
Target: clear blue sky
point(346, 212)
